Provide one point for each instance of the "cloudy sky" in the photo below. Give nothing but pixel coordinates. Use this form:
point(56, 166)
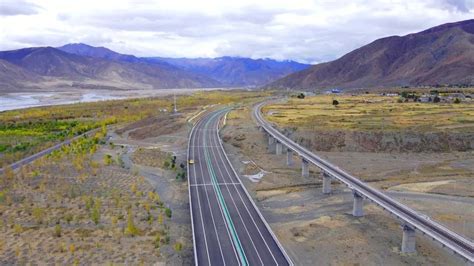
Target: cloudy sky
point(302, 30)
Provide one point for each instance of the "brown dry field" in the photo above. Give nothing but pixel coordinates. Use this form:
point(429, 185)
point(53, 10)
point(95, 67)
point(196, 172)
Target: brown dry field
point(53, 193)
point(319, 229)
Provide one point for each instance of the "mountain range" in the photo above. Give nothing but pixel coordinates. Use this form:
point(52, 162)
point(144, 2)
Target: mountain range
point(84, 66)
point(236, 71)
point(228, 71)
point(52, 68)
point(437, 56)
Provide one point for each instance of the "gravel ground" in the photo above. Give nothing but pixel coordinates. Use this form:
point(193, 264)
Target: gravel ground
point(318, 228)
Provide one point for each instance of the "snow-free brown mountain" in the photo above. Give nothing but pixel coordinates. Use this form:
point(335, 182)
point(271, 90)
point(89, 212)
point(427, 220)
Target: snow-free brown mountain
point(237, 71)
point(14, 78)
point(229, 71)
point(437, 56)
point(57, 68)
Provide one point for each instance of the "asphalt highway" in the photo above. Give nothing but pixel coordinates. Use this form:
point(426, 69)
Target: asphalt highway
point(228, 228)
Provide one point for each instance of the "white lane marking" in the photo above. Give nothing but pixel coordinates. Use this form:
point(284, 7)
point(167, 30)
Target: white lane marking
point(196, 115)
point(217, 139)
point(200, 211)
point(225, 119)
point(227, 226)
point(201, 146)
point(233, 201)
point(219, 184)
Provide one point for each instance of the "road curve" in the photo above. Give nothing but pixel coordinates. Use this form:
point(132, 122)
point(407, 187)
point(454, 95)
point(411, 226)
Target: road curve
point(228, 228)
point(453, 241)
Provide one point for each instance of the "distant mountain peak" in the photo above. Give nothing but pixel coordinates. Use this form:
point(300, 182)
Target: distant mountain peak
point(92, 51)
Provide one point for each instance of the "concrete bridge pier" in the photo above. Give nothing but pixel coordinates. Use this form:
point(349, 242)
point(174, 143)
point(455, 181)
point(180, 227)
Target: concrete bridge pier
point(358, 208)
point(278, 148)
point(304, 168)
point(326, 183)
point(409, 239)
point(289, 157)
point(271, 143)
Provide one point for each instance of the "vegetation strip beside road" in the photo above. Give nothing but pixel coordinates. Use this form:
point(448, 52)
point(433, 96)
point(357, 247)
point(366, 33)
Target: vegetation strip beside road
point(47, 151)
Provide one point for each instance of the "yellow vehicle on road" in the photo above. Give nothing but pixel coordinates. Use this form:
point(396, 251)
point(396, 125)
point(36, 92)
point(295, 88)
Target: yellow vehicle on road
point(191, 161)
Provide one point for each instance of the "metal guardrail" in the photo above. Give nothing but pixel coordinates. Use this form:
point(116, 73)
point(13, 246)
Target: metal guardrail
point(455, 242)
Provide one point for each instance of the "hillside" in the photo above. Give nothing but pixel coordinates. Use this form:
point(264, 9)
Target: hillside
point(94, 72)
point(13, 77)
point(440, 55)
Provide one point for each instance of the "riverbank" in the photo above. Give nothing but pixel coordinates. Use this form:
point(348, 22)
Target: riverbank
point(21, 100)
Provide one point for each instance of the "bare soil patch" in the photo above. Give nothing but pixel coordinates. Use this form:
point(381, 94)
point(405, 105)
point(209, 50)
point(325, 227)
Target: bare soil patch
point(154, 126)
point(153, 157)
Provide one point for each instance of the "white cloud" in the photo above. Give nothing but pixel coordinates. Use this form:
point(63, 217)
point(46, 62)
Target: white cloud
point(309, 31)
point(17, 7)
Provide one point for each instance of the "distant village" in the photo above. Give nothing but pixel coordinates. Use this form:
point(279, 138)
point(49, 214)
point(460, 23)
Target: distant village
point(431, 96)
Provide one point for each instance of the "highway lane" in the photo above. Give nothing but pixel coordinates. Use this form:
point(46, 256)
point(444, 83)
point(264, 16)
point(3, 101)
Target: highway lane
point(228, 229)
point(436, 231)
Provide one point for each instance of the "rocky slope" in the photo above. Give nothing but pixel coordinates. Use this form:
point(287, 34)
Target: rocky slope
point(377, 141)
point(12, 76)
point(440, 55)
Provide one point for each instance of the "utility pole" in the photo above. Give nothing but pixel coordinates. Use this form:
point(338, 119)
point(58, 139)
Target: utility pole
point(175, 110)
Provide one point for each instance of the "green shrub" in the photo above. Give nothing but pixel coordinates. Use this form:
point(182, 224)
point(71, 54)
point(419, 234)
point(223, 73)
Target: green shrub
point(108, 159)
point(120, 161)
point(89, 202)
point(95, 213)
point(157, 241)
point(38, 214)
point(3, 196)
point(168, 212)
point(178, 246)
point(57, 230)
point(131, 229)
point(68, 217)
point(18, 229)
